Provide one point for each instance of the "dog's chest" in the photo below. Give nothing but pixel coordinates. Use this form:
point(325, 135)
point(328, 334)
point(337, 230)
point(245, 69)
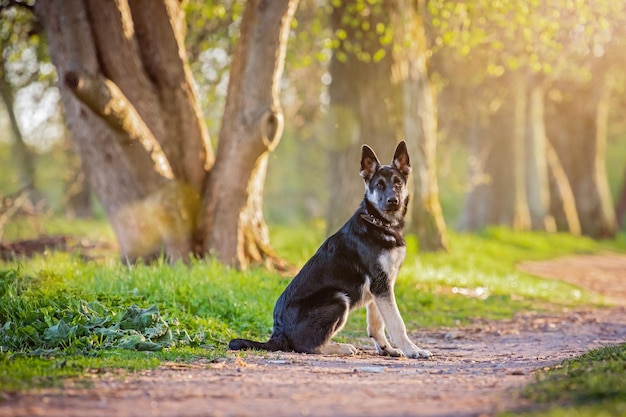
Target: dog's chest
point(389, 261)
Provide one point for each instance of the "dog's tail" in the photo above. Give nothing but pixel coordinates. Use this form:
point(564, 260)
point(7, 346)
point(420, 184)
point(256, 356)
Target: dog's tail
point(271, 345)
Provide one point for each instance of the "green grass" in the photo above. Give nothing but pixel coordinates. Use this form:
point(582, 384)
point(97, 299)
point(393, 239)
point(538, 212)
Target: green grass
point(22, 372)
point(49, 224)
point(590, 385)
point(59, 308)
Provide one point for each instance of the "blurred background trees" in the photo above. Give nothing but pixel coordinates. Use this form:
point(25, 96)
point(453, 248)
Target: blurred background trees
point(513, 110)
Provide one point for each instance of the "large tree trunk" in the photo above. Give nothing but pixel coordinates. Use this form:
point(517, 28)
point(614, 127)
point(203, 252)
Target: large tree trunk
point(497, 161)
point(419, 116)
point(357, 115)
point(342, 147)
point(231, 222)
point(490, 197)
point(476, 212)
point(397, 102)
point(577, 127)
point(129, 98)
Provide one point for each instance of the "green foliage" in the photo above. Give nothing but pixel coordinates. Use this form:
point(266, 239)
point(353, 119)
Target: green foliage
point(90, 314)
point(594, 383)
point(543, 37)
point(24, 57)
point(42, 315)
point(361, 29)
point(61, 314)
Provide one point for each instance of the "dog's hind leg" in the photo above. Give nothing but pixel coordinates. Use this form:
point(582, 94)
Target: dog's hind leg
point(321, 323)
point(376, 330)
point(332, 348)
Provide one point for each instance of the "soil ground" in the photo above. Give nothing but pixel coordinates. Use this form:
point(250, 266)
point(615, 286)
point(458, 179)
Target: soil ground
point(475, 371)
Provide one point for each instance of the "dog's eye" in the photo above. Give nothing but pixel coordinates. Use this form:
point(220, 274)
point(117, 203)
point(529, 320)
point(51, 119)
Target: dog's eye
point(397, 182)
point(380, 184)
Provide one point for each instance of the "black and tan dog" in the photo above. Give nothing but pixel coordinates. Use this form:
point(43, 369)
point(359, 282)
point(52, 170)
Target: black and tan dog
point(355, 267)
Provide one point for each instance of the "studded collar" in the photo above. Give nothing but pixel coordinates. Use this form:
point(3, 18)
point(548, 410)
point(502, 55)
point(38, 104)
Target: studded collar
point(373, 220)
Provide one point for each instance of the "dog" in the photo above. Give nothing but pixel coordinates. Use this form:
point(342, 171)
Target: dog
point(355, 267)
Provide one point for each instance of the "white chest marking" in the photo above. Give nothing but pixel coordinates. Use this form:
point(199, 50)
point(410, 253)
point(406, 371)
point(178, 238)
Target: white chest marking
point(391, 260)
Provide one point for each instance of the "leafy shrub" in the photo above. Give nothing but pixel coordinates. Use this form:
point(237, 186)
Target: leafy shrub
point(41, 315)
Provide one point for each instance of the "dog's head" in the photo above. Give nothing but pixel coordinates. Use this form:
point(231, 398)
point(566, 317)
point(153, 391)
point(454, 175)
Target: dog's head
point(386, 185)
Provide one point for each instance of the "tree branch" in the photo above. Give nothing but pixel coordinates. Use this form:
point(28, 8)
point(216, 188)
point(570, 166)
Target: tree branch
point(108, 101)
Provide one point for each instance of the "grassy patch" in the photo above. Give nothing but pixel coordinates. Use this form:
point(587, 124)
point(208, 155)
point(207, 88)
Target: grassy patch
point(593, 384)
point(21, 372)
point(485, 265)
point(59, 308)
point(49, 224)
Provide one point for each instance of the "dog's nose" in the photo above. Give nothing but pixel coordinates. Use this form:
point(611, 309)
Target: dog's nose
point(393, 201)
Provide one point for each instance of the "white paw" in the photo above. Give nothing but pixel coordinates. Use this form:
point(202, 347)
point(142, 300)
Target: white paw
point(388, 351)
point(415, 353)
point(339, 349)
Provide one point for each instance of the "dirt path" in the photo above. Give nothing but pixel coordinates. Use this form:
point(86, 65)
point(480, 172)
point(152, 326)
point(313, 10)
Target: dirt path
point(475, 370)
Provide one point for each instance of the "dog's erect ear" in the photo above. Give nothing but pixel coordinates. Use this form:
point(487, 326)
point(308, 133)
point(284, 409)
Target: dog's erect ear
point(369, 162)
point(401, 159)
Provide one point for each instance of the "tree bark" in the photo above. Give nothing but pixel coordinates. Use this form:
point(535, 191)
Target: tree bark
point(398, 102)
point(521, 214)
point(357, 115)
point(476, 210)
point(128, 97)
point(419, 118)
point(231, 221)
point(23, 154)
point(496, 159)
point(342, 149)
point(77, 193)
point(620, 206)
point(537, 180)
point(562, 202)
point(577, 128)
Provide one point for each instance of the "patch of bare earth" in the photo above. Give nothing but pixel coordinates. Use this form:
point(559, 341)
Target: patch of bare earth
point(475, 370)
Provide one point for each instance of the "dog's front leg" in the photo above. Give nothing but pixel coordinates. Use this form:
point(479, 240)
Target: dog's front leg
point(397, 330)
point(376, 330)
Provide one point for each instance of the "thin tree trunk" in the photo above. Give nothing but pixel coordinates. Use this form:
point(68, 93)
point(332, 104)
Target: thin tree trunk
point(606, 227)
point(578, 131)
point(24, 156)
point(562, 202)
point(521, 214)
point(231, 222)
point(537, 184)
point(620, 206)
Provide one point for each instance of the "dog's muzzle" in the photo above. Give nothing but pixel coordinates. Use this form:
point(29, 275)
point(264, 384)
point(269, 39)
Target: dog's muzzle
point(393, 204)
